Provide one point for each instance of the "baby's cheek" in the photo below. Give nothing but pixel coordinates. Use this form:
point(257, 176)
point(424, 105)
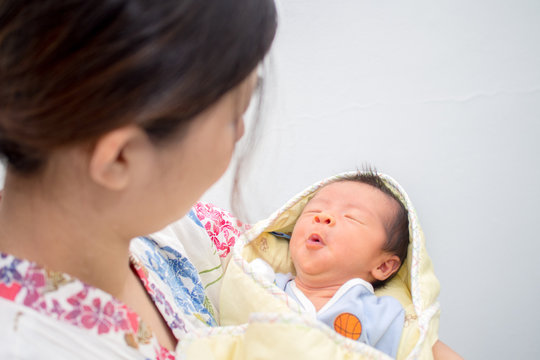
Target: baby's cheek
point(294, 248)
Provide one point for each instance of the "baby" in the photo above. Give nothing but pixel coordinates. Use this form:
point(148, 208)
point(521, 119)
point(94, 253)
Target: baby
point(350, 239)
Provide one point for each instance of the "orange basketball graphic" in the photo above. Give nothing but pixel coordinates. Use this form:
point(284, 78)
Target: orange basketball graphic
point(348, 325)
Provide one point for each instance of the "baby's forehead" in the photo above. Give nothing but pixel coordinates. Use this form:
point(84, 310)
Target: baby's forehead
point(345, 189)
point(353, 194)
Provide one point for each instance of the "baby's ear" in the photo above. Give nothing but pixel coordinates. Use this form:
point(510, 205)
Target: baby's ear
point(385, 269)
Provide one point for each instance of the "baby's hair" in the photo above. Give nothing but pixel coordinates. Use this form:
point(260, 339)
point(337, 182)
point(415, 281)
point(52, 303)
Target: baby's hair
point(397, 230)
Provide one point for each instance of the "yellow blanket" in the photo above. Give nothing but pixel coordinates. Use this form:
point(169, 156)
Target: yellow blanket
point(261, 322)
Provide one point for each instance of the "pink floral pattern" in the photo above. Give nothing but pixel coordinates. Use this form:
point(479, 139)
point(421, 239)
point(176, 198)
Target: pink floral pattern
point(222, 228)
point(34, 281)
point(105, 316)
point(164, 354)
point(9, 292)
point(69, 300)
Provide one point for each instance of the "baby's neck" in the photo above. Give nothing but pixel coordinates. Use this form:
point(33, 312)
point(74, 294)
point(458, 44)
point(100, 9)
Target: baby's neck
point(318, 295)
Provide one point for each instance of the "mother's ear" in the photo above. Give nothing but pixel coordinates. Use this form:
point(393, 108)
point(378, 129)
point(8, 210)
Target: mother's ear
point(113, 155)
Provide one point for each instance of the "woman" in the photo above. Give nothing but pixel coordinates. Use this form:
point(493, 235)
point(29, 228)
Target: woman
point(115, 117)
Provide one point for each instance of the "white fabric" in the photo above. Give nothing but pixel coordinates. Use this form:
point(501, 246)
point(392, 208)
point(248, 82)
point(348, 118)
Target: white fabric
point(308, 306)
point(26, 334)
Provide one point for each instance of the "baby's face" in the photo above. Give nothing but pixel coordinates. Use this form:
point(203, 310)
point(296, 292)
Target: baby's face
point(340, 233)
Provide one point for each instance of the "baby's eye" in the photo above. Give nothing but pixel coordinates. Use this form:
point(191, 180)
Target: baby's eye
point(354, 218)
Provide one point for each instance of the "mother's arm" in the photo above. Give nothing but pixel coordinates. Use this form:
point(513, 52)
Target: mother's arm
point(441, 351)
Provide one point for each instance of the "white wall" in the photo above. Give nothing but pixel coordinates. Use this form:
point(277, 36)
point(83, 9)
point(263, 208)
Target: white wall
point(445, 97)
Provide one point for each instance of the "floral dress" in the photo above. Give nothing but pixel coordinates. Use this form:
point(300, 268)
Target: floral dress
point(47, 314)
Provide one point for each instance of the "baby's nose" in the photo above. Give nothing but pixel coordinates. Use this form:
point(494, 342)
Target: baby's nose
point(324, 218)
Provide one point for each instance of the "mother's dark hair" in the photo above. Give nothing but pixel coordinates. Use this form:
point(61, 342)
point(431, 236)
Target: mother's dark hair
point(73, 70)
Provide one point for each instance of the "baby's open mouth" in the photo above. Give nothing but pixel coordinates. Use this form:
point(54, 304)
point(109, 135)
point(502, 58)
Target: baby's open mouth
point(314, 241)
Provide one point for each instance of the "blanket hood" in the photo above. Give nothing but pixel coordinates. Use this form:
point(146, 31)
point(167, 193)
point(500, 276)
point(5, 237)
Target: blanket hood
point(415, 285)
point(256, 316)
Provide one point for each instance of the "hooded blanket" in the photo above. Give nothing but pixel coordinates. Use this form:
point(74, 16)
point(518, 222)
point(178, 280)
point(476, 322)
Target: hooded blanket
point(258, 320)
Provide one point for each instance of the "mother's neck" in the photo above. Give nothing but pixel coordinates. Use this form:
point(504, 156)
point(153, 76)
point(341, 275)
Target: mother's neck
point(57, 225)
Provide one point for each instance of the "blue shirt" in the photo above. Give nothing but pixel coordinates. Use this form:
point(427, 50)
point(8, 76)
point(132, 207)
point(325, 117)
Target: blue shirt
point(356, 312)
